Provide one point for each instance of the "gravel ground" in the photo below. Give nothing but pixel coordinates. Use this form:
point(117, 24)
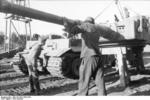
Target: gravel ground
point(12, 83)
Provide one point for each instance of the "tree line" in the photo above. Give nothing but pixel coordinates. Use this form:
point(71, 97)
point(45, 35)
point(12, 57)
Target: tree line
point(16, 40)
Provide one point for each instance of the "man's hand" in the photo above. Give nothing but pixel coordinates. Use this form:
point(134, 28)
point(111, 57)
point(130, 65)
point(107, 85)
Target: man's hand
point(75, 30)
point(67, 26)
point(71, 27)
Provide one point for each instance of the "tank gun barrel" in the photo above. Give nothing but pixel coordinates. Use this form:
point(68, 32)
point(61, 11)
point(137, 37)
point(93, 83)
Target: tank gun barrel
point(7, 7)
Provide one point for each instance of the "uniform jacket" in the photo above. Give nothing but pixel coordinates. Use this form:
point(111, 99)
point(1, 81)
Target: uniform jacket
point(91, 33)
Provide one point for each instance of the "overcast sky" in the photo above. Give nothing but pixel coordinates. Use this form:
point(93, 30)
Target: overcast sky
point(75, 9)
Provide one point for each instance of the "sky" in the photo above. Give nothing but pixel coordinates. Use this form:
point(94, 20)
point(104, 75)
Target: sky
point(78, 9)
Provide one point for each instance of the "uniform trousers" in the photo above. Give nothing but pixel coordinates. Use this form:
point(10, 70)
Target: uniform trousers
point(33, 74)
point(91, 67)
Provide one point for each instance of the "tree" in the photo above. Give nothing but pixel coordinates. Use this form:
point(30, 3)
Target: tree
point(22, 40)
point(14, 38)
point(2, 38)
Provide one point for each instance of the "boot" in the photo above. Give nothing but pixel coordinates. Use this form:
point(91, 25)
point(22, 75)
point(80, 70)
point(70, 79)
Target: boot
point(31, 84)
point(37, 85)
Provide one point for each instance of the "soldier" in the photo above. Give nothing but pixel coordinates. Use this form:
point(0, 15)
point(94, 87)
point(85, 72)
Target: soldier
point(36, 37)
point(31, 61)
point(91, 65)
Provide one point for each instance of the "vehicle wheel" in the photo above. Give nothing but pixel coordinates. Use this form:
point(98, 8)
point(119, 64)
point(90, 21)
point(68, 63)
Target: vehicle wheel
point(75, 67)
point(66, 66)
point(70, 65)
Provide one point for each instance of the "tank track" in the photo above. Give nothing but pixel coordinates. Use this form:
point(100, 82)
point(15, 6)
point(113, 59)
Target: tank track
point(20, 65)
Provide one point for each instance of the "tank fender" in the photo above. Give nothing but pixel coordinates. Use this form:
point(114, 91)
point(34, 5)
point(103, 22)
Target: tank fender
point(63, 52)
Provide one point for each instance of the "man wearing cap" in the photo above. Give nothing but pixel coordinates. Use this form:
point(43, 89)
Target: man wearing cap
point(31, 61)
point(91, 65)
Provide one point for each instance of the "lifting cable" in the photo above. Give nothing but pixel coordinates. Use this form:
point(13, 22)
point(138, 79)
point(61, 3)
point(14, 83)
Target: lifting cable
point(119, 8)
point(104, 10)
point(120, 11)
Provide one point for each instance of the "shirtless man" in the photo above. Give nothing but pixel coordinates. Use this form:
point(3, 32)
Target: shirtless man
point(31, 61)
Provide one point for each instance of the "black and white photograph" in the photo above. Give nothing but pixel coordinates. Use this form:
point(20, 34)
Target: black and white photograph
point(74, 48)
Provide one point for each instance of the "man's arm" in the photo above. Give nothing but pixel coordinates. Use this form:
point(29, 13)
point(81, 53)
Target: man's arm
point(108, 33)
point(24, 52)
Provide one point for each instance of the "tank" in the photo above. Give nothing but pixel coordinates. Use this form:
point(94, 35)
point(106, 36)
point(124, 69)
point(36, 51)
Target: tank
point(63, 54)
point(63, 57)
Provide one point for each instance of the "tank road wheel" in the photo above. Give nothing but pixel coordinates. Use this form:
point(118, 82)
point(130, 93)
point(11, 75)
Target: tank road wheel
point(70, 66)
point(75, 67)
point(21, 66)
point(66, 66)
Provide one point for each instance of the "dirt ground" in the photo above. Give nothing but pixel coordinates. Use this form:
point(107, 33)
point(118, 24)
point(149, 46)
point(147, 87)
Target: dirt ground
point(12, 83)
point(140, 86)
